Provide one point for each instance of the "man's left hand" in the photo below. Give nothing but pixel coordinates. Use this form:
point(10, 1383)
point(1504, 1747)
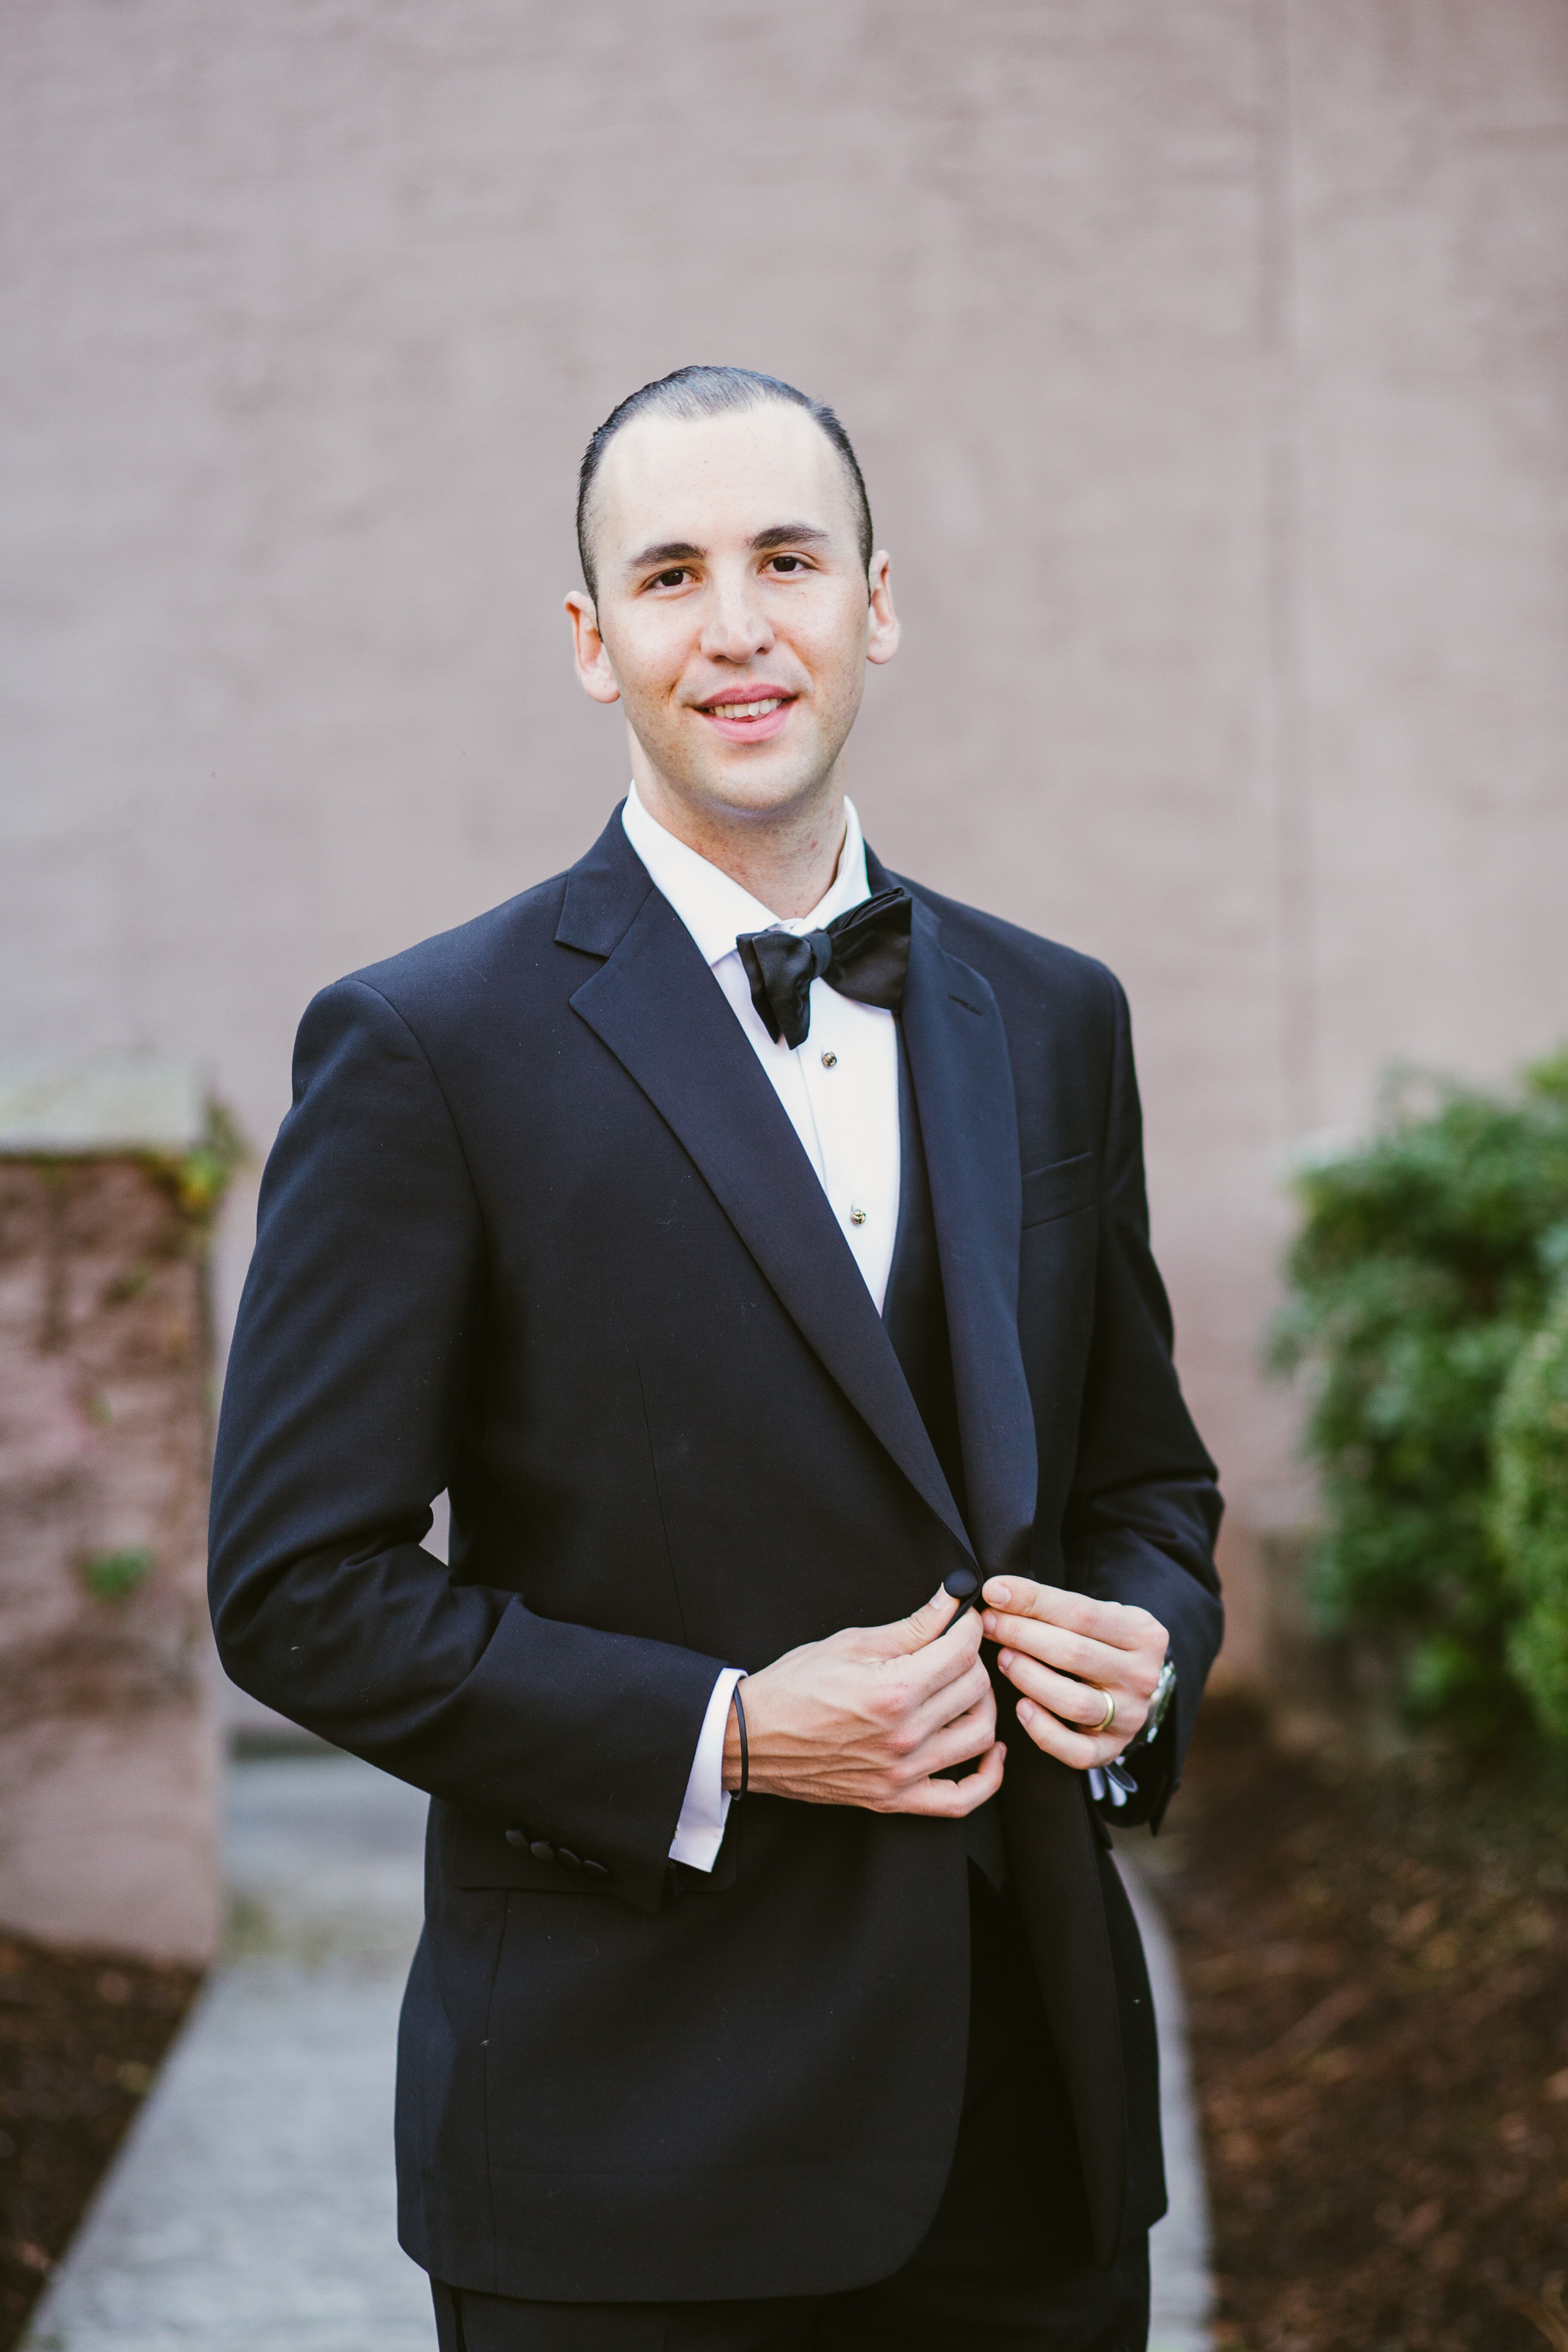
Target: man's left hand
point(1065, 1654)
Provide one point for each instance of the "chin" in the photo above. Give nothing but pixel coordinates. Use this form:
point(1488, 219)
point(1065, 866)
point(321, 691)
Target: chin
point(752, 786)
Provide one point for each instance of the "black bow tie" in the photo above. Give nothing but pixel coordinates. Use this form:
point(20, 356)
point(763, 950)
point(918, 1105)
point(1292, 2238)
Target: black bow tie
point(864, 954)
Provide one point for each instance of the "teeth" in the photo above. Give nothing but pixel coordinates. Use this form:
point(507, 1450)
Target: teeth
point(746, 709)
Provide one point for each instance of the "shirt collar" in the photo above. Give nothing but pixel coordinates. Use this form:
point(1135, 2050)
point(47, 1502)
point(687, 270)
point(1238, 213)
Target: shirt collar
point(714, 908)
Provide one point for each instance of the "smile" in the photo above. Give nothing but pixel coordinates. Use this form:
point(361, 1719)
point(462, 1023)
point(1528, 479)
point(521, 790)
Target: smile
point(744, 710)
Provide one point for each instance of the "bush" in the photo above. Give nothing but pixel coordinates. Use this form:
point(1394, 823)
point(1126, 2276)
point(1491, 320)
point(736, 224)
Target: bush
point(1531, 1515)
point(1424, 1265)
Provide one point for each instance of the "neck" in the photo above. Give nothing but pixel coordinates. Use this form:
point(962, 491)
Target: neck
point(784, 857)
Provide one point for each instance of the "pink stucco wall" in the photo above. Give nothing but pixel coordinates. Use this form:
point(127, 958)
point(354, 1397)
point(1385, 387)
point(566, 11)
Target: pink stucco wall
point(1206, 364)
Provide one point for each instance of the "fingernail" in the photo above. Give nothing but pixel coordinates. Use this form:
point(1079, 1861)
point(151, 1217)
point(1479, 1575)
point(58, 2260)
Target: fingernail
point(1004, 1658)
point(1000, 1593)
point(989, 1621)
point(1025, 1710)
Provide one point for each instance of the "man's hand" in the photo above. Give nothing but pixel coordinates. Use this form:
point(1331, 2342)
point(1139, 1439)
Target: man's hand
point(867, 1717)
point(1065, 1654)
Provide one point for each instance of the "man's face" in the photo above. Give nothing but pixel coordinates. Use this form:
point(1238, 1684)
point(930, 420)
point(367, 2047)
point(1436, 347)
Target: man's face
point(732, 619)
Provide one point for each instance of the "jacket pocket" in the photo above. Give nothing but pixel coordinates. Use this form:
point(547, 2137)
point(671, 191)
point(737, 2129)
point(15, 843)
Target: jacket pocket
point(1059, 1189)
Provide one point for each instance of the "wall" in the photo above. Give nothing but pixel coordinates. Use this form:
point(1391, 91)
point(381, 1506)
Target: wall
point(108, 1740)
point(1206, 367)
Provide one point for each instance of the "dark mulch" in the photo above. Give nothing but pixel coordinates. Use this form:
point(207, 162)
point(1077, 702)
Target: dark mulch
point(81, 2035)
point(1377, 1966)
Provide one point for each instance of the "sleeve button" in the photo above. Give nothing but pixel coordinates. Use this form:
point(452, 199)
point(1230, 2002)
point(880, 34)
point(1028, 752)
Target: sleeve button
point(542, 1850)
point(564, 1853)
point(595, 1870)
point(517, 1837)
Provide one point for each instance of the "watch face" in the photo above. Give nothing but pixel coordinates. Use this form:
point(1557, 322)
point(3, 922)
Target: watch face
point(1160, 1704)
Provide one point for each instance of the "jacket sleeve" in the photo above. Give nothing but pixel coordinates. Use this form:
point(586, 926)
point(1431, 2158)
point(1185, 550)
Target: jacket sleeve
point(1145, 1508)
point(352, 1362)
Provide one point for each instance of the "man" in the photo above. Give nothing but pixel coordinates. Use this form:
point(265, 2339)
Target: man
point(754, 1248)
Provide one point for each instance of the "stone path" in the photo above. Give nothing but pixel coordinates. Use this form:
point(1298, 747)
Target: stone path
point(1183, 2294)
point(251, 2210)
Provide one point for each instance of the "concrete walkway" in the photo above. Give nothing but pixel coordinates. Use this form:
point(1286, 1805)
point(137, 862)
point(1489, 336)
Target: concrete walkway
point(251, 2209)
point(1179, 2247)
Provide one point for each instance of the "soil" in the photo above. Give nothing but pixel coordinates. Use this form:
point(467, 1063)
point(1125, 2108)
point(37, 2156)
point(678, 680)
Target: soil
point(1376, 1968)
point(81, 2035)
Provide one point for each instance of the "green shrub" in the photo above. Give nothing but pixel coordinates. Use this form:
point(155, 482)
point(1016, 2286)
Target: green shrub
point(1531, 1515)
point(116, 1575)
point(1423, 1263)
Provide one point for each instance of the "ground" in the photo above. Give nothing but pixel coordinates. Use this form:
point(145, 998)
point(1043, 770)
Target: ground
point(1377, 1966)
point(1376, 1970)
point(80, 2037)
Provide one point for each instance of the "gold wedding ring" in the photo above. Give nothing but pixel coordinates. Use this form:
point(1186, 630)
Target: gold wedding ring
point(1108, 1718)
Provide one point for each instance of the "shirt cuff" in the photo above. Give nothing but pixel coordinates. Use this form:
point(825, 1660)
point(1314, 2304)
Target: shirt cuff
point(700, 1831)
point(1100, 1786)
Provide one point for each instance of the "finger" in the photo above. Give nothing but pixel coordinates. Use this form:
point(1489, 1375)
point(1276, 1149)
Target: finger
point(1079, 1704)
point(1068, 1746)
point(959, 1742)
point(1075, 1654)
point(945, 1705)
point(910, 1681)
point(1114, 1622)
point(953, 1799)
point(918, 1629)
point(942, 1661)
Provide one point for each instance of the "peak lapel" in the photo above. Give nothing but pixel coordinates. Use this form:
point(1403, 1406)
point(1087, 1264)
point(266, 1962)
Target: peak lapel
point(656, 1007)
point(969, 1123)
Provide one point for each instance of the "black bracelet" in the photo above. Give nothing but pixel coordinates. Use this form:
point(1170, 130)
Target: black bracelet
point(741, 1728)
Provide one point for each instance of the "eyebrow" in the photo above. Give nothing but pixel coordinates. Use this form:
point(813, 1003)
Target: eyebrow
point(665, 550)
point(682, 550)
point(787, 534)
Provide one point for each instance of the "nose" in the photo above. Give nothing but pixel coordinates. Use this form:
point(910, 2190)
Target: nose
point(735, 627)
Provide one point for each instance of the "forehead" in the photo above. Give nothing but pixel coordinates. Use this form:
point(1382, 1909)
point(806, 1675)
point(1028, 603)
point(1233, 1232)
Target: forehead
point(718, 480)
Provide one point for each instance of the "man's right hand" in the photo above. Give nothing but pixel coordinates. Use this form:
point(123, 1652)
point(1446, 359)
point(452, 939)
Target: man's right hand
point(869, 1716)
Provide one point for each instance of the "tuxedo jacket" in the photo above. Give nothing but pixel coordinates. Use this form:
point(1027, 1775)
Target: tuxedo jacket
point(537, 1232)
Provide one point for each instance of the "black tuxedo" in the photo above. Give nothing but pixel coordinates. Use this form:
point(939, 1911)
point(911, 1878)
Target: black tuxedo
point(538, 1231)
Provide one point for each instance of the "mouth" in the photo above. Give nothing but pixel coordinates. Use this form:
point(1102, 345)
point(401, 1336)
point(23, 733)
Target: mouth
point(754, 717)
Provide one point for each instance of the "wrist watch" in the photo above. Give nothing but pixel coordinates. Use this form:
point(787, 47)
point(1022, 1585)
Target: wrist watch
point(1148, 1732)
point(1159, 1708)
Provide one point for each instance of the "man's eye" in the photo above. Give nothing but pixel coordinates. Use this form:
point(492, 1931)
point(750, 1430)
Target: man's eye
point(671, 579)
point(787, 563)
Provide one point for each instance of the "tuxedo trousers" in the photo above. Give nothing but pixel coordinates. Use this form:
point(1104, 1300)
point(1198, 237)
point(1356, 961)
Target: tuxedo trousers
point(1005, 2265)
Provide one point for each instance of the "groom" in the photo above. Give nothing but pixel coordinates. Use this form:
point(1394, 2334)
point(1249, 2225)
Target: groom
point(753, 1246)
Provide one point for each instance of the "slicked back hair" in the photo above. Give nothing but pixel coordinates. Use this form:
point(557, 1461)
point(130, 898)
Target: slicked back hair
point(694, 392)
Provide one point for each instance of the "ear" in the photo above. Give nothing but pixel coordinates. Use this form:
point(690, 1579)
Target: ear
point(882, 638)
point(594, 672)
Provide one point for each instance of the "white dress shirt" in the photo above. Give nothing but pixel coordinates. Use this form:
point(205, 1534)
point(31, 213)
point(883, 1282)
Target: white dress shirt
point(841, 1092)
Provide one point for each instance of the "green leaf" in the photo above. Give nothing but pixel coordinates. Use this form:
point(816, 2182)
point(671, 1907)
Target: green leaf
point(115, 1575)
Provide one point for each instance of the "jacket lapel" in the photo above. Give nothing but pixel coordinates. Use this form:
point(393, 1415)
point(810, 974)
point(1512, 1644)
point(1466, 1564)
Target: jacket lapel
point(656, 1007)
point(963, 1084)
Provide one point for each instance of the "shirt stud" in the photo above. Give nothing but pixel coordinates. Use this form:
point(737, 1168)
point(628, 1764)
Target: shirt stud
point(830, 1061)
point(856, 1216)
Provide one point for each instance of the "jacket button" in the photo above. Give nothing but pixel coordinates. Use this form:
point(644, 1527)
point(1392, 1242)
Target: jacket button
point(542, 1850)
point(595, 1870)
point(517, 1837)
point(564, 1853)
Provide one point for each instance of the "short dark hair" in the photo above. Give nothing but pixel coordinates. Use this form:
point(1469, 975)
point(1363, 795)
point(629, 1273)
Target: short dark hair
point(693, 392)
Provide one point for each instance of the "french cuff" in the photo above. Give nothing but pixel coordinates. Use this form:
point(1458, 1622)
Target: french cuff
point(1102, 1785)
point(705, 1808)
